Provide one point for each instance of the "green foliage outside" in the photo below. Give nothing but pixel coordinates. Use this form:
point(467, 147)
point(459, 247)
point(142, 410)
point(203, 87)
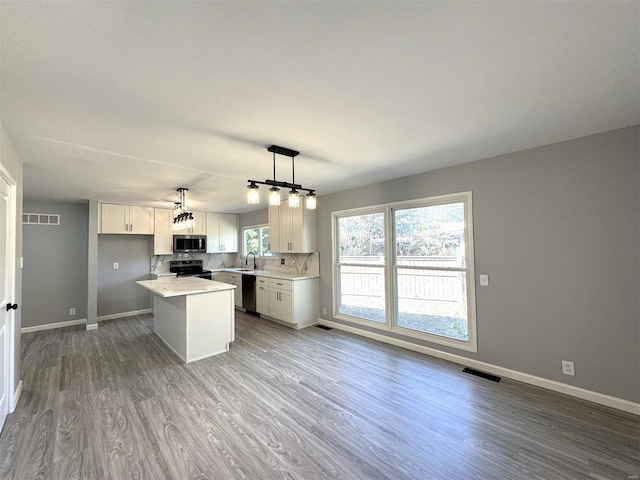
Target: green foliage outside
point(426, 231)
point(256, 240)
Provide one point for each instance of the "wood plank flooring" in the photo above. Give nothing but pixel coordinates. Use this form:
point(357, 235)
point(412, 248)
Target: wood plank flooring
point(116, 404)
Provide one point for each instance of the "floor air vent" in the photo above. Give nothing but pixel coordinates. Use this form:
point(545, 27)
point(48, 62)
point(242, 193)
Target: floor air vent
point(477, 373)
point(324, 327)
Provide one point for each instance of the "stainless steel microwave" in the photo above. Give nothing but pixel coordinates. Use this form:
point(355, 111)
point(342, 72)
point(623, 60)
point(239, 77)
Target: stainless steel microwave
point(189, 243)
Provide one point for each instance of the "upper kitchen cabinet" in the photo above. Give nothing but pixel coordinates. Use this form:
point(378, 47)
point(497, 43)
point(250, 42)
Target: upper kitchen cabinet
point(163, 233)
point(292, 230)
point(126, 219)
point(201, 225)
point(222, 232)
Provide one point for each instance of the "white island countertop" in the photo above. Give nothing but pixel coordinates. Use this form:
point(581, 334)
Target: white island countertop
point(174, 287)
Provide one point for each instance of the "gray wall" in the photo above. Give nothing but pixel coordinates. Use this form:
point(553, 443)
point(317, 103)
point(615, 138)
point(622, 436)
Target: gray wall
point(55, 264)
point(556, 228)
point(117, 289)
point(257, 217)
point(12, 162)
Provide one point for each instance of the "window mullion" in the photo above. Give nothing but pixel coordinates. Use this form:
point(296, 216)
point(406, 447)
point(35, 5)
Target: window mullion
point(389, 260)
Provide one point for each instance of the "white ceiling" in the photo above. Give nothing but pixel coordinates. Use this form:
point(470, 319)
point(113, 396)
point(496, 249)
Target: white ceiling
point(126, 101)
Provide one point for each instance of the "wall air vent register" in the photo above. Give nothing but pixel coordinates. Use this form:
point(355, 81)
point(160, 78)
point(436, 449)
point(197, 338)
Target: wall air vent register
point(40, 219)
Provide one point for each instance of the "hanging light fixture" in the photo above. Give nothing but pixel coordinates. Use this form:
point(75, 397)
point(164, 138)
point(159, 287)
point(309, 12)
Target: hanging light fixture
point(253, 196)
point(310, 202)
point(182, 218)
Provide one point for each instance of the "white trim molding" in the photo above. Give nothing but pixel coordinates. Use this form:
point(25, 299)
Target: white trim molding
point(49, 326)
point(589, 395)
point(92, 326)
point(123, 314)
point(16, 397)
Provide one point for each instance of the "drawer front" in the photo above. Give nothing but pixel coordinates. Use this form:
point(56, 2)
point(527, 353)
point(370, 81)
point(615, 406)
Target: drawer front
point(262, 281)
point(281, 284)
point(234, 277)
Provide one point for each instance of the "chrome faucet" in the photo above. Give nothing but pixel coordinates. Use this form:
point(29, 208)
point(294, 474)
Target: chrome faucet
point(255, 267)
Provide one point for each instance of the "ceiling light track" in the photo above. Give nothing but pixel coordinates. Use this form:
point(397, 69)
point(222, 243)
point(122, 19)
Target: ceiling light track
point(253, 192)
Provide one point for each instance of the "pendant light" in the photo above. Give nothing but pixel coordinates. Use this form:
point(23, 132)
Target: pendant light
point(183, 218)
point(253, 196)
point(310, 201)
point(274, 197)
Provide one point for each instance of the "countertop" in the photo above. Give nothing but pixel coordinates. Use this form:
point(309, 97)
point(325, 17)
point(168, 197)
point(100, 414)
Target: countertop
point(260, 273)
point(175, 287)
point(269, 274)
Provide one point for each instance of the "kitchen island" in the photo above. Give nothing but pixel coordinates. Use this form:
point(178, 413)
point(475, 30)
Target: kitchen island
point(193, 316)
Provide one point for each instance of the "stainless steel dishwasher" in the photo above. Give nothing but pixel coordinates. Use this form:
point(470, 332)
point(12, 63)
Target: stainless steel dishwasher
point(249, 293)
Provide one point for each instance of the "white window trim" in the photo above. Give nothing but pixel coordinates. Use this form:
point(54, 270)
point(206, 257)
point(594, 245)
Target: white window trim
point(250, 227)
point(390, 325)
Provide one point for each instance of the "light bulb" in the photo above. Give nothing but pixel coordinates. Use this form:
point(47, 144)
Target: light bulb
point(310, 201)
point(274, 196)
point(253, 194)
point(294, 199)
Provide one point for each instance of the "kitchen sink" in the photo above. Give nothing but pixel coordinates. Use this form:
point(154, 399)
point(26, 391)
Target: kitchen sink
point(243, 269)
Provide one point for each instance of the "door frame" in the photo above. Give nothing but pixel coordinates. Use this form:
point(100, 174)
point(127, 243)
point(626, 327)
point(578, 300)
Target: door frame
point(11, 325)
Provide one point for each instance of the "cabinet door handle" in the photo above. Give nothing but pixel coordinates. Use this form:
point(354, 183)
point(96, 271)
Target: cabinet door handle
point(131, 227)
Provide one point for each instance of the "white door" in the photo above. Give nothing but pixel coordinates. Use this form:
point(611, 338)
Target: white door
point(6, 292)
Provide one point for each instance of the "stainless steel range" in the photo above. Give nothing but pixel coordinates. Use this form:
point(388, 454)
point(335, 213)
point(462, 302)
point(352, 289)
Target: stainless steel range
point(189, 268)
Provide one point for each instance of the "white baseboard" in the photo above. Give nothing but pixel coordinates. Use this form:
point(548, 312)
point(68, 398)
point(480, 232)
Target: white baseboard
point(92, 326)
point(124, 314)
point(16, 397)
point(595, 397)
point(49, 326)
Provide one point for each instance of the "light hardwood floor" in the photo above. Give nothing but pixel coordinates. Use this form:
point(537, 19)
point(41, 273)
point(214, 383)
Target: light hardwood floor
point(115, 403)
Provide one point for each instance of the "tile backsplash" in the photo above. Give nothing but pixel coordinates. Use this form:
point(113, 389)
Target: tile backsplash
point(301, 263)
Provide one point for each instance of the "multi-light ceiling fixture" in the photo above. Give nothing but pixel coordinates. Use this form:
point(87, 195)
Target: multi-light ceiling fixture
point(253, 193)
point(182, 217)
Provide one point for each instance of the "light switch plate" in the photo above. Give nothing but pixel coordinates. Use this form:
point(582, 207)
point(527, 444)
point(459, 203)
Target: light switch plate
point(116, 266)
point(484, 280)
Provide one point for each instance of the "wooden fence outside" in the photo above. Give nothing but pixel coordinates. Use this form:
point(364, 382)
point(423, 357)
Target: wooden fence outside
point(362, 281)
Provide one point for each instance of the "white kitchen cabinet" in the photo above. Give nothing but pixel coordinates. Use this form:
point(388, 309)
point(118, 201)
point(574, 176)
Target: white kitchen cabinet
point(163, 231)
point(201, 224)
point(126, 219)
point(262, 295)
point(236, 279)
point(292, 230)
point(222, 232)
point(200, 228)
point(292, 302)
point(281, 304)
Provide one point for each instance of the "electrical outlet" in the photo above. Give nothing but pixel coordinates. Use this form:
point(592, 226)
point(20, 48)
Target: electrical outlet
point(72, 311)
point(484, 280)
point(116, 266)
point(568, 368)
point(282, 261)
point(324, 311)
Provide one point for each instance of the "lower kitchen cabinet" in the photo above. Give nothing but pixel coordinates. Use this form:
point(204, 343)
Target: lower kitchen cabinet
point(291, 302)
point(281, 303)
point(235, 279)
point(262, 295)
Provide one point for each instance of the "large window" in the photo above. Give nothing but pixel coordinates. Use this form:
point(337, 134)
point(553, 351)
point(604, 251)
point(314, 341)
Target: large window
point(408, 267)
point(361, 266)
point(256, 240)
